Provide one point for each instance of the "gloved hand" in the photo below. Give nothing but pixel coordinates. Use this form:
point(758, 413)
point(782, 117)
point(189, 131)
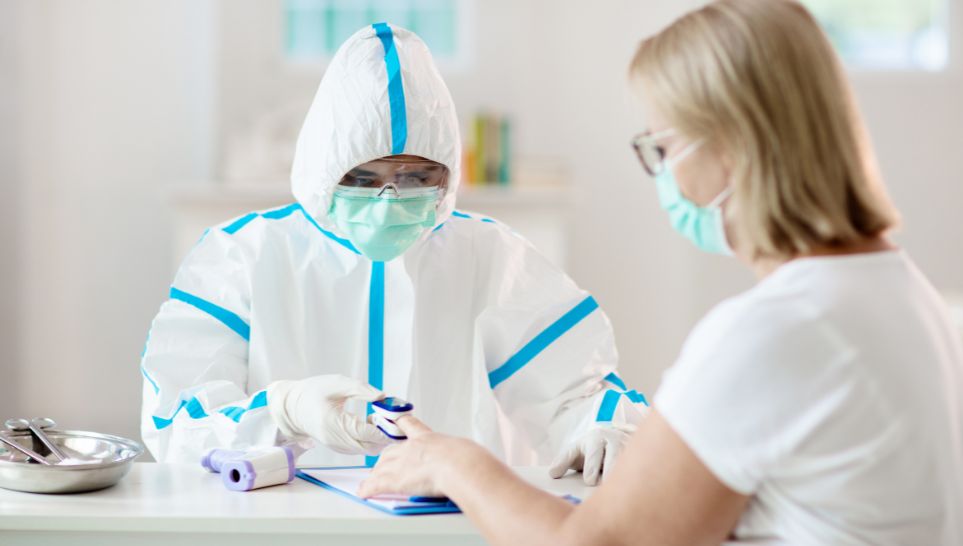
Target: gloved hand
point(314, 407)
point(593, 453)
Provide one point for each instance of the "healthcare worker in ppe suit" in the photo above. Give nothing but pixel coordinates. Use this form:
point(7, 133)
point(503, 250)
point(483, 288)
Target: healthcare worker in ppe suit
point(283, 325)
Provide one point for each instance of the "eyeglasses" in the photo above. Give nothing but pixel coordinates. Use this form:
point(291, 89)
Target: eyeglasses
point(651, 154)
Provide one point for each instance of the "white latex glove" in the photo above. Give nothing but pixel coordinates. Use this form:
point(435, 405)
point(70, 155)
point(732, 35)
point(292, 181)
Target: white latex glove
point(314, 407)
point(593, 453)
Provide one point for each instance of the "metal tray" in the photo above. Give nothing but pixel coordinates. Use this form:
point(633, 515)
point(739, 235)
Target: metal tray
point(110, 459)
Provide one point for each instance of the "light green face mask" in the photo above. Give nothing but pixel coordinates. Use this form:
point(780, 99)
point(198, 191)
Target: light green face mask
point(383, 223)
point(704, 226)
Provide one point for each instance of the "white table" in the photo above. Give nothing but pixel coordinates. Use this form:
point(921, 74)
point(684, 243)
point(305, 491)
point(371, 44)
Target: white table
point(167, 504)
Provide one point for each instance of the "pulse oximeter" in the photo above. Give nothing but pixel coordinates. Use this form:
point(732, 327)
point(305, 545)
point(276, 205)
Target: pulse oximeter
point(386, 412)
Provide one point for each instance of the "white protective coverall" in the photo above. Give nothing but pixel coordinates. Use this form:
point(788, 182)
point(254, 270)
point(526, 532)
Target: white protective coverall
point(487, 338)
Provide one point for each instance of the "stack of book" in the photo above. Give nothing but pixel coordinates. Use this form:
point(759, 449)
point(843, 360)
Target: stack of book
point(488, 155)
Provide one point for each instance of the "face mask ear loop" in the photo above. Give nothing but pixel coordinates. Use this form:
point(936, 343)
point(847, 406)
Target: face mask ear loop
point(723, 195)
point(686, 152)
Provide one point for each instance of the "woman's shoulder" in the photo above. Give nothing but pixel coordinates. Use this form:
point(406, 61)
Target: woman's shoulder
point(768, 327)
point(761, 308)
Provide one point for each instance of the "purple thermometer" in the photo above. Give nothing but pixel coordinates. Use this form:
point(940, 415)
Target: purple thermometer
point(214, 459)
point(244, 471)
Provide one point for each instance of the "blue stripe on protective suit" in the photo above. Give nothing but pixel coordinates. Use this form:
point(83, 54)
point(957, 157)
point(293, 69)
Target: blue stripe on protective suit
point(195, 410)
point(616, 380)
point(146, 343)
point(635, 396)
point(607, 409)
point(541, 341)
point(610, 400)
point(151, 381)
point(234, 413)
point(193, 407)
point(343, 242)
point(376, 335)
point(229, 319)
point(396, 91)
point(234, 226)
point(284, 212)
point(459, 214)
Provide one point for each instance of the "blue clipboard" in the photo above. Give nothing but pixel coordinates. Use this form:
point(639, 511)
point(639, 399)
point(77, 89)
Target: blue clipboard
point(413, 506)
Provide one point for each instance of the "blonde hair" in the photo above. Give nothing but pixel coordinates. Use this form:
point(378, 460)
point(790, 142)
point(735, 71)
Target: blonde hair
point(759, 81)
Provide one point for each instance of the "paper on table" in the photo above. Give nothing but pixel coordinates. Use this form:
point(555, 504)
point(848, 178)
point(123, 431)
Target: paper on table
point(346, 480)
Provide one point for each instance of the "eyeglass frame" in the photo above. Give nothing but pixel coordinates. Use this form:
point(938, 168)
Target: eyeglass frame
point(637, 143)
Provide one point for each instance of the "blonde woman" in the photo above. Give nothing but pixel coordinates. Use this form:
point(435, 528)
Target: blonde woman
point(824, 405)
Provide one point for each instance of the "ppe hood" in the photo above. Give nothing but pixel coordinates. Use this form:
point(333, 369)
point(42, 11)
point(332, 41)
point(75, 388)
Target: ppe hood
point(381, 95)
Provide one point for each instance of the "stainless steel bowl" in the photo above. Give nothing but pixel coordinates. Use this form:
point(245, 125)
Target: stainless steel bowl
point(106, 459)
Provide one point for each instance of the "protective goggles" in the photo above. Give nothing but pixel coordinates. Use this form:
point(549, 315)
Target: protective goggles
point(400, 174)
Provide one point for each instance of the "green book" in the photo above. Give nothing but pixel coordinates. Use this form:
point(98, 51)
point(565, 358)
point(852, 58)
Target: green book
point(504, 165)
point(479, 129)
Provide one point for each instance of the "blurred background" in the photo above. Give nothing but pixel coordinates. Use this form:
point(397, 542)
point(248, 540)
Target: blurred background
point(126, 127)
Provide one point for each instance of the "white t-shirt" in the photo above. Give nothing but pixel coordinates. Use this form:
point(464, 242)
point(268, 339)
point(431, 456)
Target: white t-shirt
point(832, 392)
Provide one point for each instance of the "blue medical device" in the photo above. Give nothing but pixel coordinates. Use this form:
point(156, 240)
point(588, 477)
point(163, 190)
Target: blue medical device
point(389, 410)
point(393, 404)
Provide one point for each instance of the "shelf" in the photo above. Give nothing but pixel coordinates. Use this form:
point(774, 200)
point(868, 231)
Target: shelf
point(497, 195)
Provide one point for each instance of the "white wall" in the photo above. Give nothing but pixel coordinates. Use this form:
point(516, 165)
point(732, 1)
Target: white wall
point(115, 103)
point(9, 210)
point(121, 102)
point(917, 126)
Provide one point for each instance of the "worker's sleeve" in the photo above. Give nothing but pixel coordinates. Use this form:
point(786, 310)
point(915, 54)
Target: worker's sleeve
point(550, 353)
point(195, 362)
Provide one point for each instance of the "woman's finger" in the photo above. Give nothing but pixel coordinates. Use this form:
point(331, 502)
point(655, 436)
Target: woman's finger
point(412, 427)
point(370, 488)
point(379, 481)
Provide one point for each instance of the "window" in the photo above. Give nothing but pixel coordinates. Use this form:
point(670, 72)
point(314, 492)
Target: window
point(314, 29)
point(886, 34)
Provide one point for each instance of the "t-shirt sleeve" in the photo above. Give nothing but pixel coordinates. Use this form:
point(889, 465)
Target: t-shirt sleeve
point(753, 382)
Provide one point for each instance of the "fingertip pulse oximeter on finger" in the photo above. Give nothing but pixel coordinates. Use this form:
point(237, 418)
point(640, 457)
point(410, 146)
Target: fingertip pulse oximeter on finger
point(389, 410)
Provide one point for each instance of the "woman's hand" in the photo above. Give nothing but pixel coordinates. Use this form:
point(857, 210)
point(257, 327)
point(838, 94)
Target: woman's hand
point(418, 465)
point(658, 493)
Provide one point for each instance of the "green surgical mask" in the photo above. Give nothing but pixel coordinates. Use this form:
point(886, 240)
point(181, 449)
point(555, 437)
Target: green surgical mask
point(383, 223)
point(704, 226)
